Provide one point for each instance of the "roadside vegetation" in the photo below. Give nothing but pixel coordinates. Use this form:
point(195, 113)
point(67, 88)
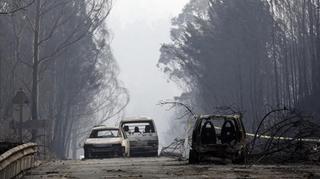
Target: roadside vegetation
point(252, 56)
point(58, 52)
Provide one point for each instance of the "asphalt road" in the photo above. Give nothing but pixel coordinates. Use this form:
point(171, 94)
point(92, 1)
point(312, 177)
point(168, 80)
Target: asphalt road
point(164, 168)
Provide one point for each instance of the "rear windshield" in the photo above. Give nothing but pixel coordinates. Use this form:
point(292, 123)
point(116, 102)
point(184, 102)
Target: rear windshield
point(105, 133)
point(217, 122)
point(138, 127)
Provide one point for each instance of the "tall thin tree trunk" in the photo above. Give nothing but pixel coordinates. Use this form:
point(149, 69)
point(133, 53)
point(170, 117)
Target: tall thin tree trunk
point(277, 101)
point(312, 43)
point(1, 102)
point(74, 146)
point(317, 47)
point(35, 68)
point(287, 75)
point(304, 59)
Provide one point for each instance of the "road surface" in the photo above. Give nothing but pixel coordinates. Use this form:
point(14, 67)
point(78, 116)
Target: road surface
point(163, 168)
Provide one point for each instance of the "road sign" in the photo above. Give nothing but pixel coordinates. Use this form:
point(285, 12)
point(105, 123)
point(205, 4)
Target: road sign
point(20, 98)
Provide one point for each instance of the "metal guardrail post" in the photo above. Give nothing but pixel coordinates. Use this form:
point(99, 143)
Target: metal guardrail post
point(17, 160)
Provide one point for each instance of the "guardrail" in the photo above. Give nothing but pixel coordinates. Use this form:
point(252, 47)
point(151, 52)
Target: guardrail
point(17, 160)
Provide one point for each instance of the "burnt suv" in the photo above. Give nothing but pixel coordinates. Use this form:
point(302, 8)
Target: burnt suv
point(218, 138)
point(104, 142)
point(141, 136)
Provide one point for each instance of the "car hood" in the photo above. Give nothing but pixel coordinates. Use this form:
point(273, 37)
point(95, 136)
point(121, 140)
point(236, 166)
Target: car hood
point(115, 140)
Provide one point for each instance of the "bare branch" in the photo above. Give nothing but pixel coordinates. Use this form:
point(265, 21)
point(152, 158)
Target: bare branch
point(19, 8)
point(175, 103)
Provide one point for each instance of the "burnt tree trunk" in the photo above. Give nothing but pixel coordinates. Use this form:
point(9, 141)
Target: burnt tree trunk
point(35, 69)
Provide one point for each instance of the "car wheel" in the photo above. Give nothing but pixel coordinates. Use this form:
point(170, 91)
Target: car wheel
point(193, 157)
point(154, 154)
point(120, 154)
point(241, 159)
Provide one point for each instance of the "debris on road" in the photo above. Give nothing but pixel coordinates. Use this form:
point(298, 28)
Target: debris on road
point(175, 149)
point(218, 137)
point(282, 136)
point(286, 136)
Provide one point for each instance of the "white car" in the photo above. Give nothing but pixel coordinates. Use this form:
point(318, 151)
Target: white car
point(104, 142)
point(141, 135)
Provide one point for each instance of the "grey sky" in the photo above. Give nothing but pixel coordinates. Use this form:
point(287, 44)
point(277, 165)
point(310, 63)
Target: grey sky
point(139, 27)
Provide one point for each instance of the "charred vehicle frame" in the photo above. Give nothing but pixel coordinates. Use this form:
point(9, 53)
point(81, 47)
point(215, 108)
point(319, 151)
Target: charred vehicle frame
point(227, 145)
point(141, 135)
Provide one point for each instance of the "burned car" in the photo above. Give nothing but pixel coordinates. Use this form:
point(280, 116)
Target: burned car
point(219, 138)
point(142, 136)
point(104, 142)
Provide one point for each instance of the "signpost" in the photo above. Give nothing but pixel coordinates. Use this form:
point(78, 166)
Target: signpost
point(20, 99)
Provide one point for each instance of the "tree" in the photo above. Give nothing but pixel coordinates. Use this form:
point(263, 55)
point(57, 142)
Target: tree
point(246, 53)
point(218, 56)
point(61, 12)
point(65, 65)
point(13, 6)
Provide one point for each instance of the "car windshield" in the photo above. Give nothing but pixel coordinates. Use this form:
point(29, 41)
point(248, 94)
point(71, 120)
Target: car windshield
point(105, 133)
point(138, 127)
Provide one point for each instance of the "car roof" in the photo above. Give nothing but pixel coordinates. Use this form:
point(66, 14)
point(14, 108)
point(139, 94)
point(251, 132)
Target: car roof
point(131, 119)
point(104, 127)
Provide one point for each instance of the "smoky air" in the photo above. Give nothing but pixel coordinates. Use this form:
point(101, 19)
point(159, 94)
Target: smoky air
point(159, 88)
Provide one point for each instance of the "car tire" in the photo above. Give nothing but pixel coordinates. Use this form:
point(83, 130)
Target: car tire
point(241, 159)
point(193, 157)
point(154, 154)
point(120, 154)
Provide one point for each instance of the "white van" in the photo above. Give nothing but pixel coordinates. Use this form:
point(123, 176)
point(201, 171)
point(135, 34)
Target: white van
point(141, 135)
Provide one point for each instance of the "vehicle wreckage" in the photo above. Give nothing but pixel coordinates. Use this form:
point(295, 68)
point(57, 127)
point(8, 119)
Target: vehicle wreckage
point(283, 135)
point(220, 138)
point(141, 136)
point(104, 142)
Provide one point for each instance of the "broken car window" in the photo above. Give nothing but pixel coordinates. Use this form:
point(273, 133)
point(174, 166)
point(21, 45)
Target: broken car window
point(104, 133)
point(133, 128)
